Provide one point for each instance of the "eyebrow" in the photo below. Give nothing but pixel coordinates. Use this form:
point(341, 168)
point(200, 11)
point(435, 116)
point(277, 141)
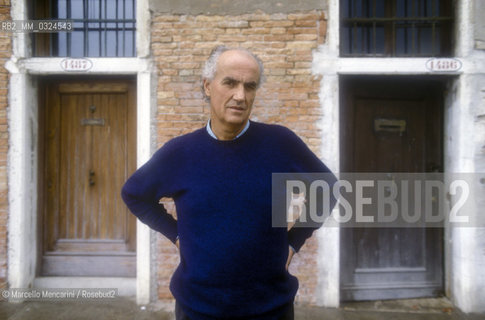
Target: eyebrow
point(250, 83)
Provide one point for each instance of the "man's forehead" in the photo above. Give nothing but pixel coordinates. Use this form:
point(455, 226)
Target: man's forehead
point(236, 61)
point(238, 58)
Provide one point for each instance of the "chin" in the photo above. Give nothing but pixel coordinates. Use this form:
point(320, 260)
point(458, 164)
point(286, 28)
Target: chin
point(237, 121)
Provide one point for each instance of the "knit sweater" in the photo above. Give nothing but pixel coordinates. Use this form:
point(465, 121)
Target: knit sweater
point(232, 260)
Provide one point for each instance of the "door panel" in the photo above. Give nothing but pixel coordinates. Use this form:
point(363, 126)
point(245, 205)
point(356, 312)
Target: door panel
point(390, 125)
point(90, 151)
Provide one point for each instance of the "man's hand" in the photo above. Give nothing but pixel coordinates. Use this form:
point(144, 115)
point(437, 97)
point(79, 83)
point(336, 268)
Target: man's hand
point(295, 209)
point(290, 256)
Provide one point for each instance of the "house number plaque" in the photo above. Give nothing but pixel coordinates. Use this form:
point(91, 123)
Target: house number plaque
point(73, 65)
point(443, 65)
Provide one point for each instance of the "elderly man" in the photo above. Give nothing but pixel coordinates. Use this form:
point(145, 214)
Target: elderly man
point(233, 262)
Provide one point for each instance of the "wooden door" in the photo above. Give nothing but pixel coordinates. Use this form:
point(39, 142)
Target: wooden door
point(89, 144)
point(391, 263)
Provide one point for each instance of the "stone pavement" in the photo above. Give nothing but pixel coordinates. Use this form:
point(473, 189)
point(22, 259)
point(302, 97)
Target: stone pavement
point(126, 309)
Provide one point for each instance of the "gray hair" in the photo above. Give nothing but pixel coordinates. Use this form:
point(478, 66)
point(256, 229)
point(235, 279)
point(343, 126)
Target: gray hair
point(210, 67)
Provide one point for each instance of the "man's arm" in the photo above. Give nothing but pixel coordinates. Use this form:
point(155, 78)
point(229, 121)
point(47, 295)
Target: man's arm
point(308, 167)
point(144, 189)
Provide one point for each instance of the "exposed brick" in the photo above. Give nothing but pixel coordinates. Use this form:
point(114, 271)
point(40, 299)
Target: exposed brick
point(272, 23)
point(190, 102)
point(299, 71)
point(257, 31)
point(231, 38)
point(305, 16)
point(289, 96)
point(186, 72)
point(300, 45)
point(306, 23)
point(309, 104)
point(162, 52)
point(164, 46)
point(258, 16)
point(168, 102)
point(255, 38)
point(168, 72)
point(160, 25)
point(277, 72)
point(303, 56)
point(301, 30)
point(306, 37)
point(279, 37)
point(232, 24)
point(165, 94)
point(322, 31)
point(210, 18)
point(208, 45)
point(277, 44)
point(168, 18)
point(279, 64)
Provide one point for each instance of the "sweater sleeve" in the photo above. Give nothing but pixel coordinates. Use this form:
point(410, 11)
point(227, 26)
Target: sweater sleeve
point(144, 189)
point(307, 162)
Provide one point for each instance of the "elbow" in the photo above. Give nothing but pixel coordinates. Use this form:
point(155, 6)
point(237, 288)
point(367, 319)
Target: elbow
point(126, 193)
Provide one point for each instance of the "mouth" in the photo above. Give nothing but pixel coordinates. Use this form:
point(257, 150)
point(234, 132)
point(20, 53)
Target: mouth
point(236, 108)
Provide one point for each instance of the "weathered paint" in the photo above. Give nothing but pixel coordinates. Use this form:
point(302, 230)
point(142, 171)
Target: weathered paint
point(223, 7)
point(479, 24)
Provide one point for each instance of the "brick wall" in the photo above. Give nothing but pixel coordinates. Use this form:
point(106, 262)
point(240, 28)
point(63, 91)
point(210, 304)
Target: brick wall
point(5, 52)
point(180, 45)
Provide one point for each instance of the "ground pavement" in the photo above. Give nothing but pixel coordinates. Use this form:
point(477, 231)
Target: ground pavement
point(127, 309)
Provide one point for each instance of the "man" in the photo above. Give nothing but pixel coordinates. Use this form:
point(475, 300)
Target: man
point(233, 262)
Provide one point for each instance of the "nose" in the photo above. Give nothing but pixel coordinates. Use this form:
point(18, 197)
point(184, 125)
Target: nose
point(239, 94)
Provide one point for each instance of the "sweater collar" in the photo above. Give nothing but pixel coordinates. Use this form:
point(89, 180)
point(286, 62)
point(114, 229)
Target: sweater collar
point(212, 134)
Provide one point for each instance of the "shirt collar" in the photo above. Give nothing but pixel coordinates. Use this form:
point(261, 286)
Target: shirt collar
point(212, 134)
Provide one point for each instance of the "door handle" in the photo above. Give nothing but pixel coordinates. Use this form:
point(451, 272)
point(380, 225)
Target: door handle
point(92, 178)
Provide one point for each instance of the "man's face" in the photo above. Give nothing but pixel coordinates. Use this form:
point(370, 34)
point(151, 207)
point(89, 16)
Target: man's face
point(233, 89)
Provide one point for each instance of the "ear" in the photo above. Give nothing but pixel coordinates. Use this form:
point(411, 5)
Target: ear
point(207, 87)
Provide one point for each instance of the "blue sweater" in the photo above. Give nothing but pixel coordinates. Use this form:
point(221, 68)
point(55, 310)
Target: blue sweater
point(232, 261)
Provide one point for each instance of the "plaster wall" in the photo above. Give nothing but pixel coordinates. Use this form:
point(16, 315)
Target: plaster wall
point(22, 244)
point(479, 23)
point(328, 255)
point(464, 153)
point(22, 166)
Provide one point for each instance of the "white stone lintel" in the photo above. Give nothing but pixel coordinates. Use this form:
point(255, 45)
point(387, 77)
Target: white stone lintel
point(101, 66)
point(323, 65)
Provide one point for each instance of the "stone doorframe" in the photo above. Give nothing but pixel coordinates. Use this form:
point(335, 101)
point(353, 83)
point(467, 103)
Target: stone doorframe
point(23, 156)
point(462, 94)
